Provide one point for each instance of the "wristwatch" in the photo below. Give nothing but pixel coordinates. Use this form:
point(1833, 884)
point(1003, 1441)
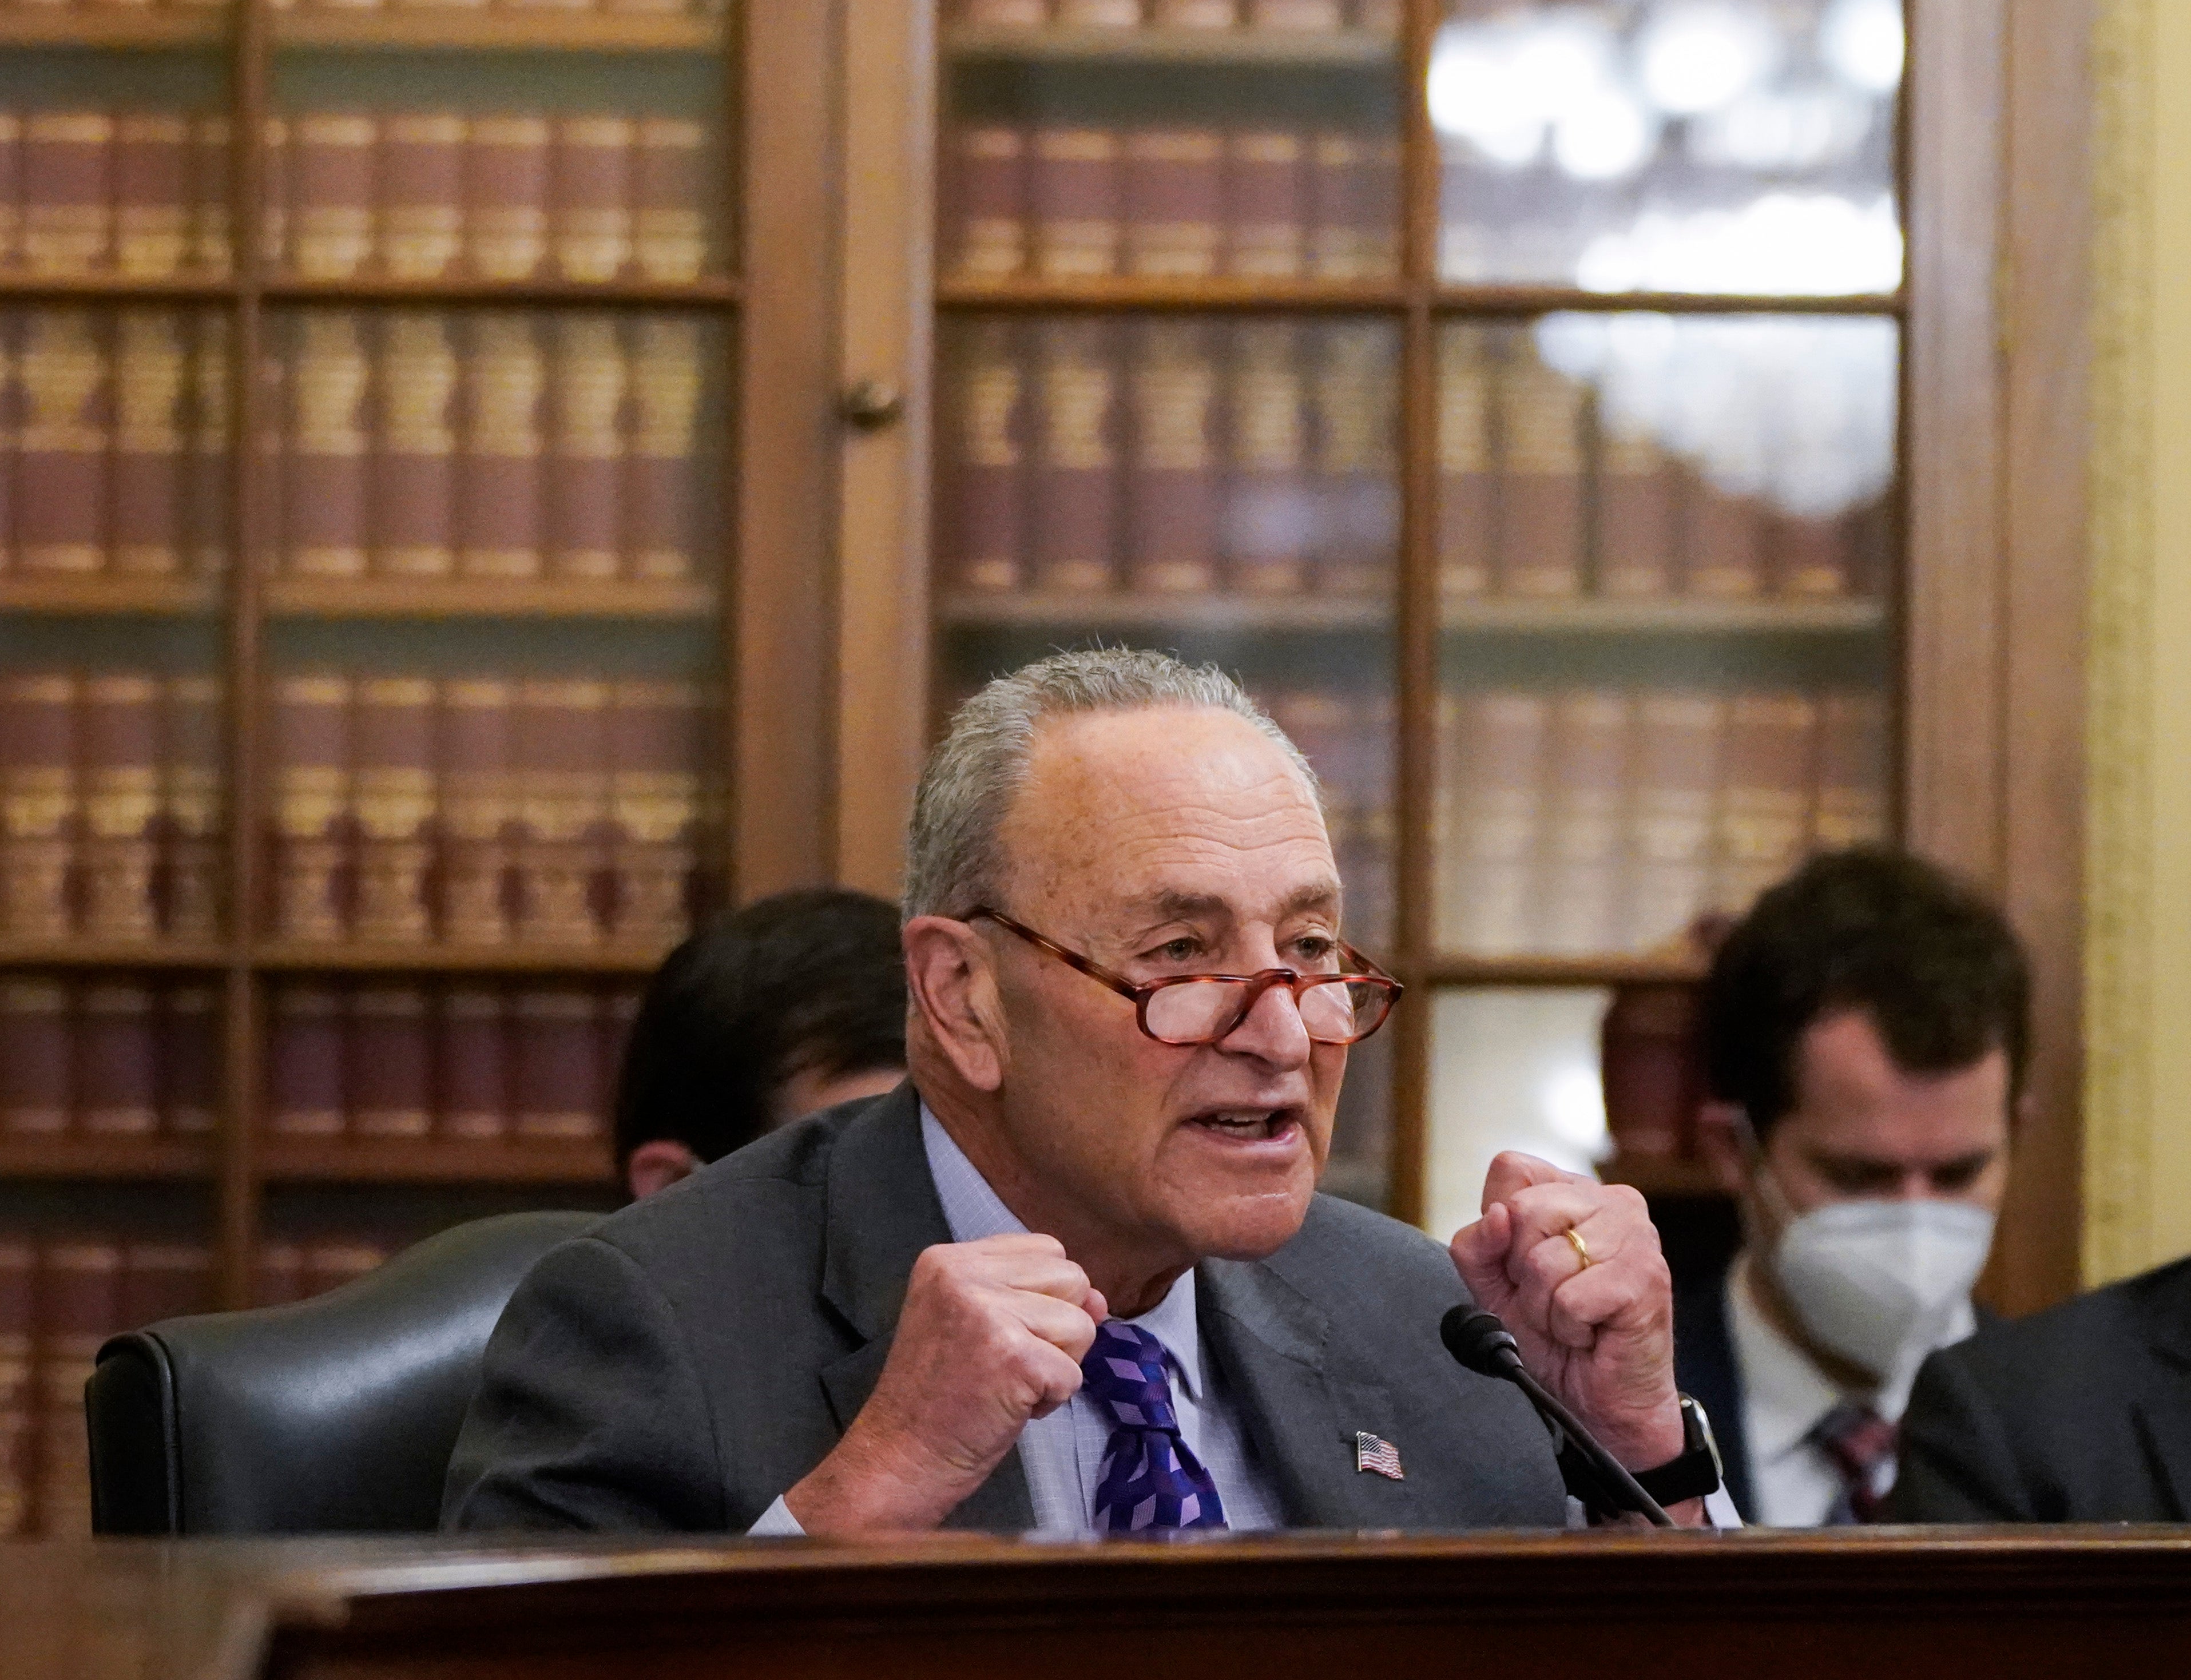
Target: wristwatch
point(1697, 1471)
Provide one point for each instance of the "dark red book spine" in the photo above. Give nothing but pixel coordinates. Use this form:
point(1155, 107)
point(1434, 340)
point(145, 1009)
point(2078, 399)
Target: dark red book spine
point(68, 192)
point(1726, 557)
point(980, 512)
point(388, 1063)
point(331, 170)
point(311, 805)
point(561, 736)
point(1493, 773)
point(189, 1060)
point(275, 218)
point(150, 371)
point(1540, 477)
point(211, 508)
point(305, 1095)
point(498, 501)
point(11, 202)
point(506, 174)
point(584, 511)
point(118, 738)
point(392, 754)
point(1076, 197)
point(671, 186)
point(421, 182)
point(472, 1063)
point(1357, 412)
point(1172, 472)
point(118, 1067)
point(192, 816)
point(986, 200)
point(654, 792)
point(66, 372)
point(152, 194)
point(662, 506)
point(478, 811)
point(1637, 499)
point(1354, 206)
point(1266, 236)
point(82, 1307)
point(590, 207)
point(212, 235)
point(162, 1280)
point(40, 814)
point(1173, 201)
point(555, 1056)
point(1075, 475)
point(414, 464)
point(1465, 513)
point(1267, 513)
point(18, 1392)
point(324, 473)
point(38, 1057)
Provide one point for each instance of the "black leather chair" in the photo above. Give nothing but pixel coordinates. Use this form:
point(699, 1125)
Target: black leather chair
point(335, 1414)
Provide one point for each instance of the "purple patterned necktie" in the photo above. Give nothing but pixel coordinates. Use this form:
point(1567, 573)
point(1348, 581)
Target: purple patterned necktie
point(1859, 1440)
point(1149, 1482)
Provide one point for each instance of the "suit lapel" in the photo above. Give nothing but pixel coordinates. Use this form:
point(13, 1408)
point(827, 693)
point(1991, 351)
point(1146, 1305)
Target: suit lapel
point(2162, 1413)
point(881, 1211)
point(1272, 1346)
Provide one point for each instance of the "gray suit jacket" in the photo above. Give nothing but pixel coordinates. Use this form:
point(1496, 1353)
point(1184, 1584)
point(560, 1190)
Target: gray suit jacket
point(695, 1355)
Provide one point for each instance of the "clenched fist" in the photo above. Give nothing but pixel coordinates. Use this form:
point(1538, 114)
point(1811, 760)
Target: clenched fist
point(991, 1334)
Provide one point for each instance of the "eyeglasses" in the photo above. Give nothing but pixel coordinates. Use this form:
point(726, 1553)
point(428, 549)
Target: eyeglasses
point(1200, 1009)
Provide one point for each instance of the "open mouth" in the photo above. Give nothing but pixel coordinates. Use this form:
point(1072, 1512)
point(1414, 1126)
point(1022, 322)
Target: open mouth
point(1248, 1124)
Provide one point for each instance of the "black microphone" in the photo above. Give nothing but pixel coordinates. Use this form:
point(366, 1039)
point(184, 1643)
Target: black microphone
point(1488, 1347)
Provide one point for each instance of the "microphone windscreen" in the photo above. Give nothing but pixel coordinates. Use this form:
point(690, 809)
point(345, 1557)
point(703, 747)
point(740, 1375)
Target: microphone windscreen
point(1479, 1341)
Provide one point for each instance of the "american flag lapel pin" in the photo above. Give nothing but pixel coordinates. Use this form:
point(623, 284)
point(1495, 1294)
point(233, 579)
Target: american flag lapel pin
point(1374, 1452)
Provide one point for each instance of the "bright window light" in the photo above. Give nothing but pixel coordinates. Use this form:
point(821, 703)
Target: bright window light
point(1703, 56)
point(1863, 40)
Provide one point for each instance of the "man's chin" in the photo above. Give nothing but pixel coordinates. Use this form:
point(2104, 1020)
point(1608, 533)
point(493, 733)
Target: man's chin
point(1252, 1225)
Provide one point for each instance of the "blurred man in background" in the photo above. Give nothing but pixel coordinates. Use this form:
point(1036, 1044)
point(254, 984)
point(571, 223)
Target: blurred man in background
point(793, 1005)
point(1866, 1032)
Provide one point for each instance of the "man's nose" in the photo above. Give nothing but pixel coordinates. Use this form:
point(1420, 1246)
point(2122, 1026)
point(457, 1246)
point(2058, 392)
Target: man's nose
point(1271, 1031)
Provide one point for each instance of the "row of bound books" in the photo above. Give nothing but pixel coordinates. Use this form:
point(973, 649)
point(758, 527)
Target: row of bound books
point(107, 1058)
point(140, 193)
point(350, 8)
point(376, 1061)
point(1586, 821)
point(480, 810)
point(1350, 738)
point(497, 445)
point(114, 442)
point(588, 197)
point(1177, 201)
point(1291, 16)
point(112, 811)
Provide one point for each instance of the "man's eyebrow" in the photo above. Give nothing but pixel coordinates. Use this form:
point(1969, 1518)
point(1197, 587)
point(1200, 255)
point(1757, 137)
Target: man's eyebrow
point(1171, 905)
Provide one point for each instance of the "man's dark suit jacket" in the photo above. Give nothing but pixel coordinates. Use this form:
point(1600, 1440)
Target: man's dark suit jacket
point(694, 1356)
point(2081, 1414)
point(1706, 1369)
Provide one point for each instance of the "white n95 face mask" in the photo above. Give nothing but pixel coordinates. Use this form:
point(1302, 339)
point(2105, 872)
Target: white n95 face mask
point(1882, 1283)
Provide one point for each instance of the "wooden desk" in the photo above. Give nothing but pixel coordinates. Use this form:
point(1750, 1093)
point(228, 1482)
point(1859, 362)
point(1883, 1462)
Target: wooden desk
point(1941, 1603)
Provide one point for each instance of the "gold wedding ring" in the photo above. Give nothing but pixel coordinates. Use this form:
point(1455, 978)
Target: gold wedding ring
point(1581, 1248)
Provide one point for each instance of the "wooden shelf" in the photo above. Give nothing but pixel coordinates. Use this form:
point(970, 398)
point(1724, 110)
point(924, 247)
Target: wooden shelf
point(486, 598)
point(344, 1160)
point(1138, 292)
point(1525, 301)
point(484, 30)
point(76, 1157)
point(645, 293)
point(73, 27)
point(516, 960)
point(1662, 1176)
point(102, 592)
point(1265, 48)
point(109, 953)
point(1242, 613)
point(1542, 970)
point(1672, 615)
point(21, 286)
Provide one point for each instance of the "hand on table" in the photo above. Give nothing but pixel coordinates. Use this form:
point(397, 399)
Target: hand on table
point(991, 1334)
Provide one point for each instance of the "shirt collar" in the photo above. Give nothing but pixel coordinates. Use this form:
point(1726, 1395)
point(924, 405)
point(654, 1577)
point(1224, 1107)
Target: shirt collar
point(973, 1210)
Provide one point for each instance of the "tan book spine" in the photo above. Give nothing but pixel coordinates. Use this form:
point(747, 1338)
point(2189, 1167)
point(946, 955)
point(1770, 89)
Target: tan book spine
point(1267, 511)
point(654, 808)
point(591, 218)
point(1074, 194)
point(68, 193)
point(1585, 874)
point(209, 520)
point(562, 791)
point(414, 463)
point(982, 512)
point(1173, 201)
point(61, 515)
point(331, 165)
point(1172, 467)
point(152, 194)
point(421, 181)
point(1354, 206)
point(669, 182)
point(312, 793)
point(1074, 479)
point(506, 176)
point(1769, 776)
point(1097, 13)
point(1725, 542)
point(479, 810)
point(1678, 742)
point(393, 796)
point(985, 199)
point(1637, 497)
point(324, 470)
point(304, 1069)
point(192, 818)
point(211, 227)
point(1357, 411)
point(661, 512)
point(584, 517)
point(11, 430)
point(118, 738)
point(39, 810)
point(1466, 530)
point(118, 1069)
point(275, 188)
point(1540, 478)
point(38, 1057)
point(1267, 236)
point(151, 363)
point(1495, 787)
point(499, 503)
point(1853, 770)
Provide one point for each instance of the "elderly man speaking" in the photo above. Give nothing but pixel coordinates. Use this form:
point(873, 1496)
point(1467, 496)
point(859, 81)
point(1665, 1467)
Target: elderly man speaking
point(1075, 1275)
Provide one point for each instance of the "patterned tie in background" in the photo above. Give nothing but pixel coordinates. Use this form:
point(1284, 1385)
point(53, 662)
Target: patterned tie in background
point(1859, 1440)
point(1149, 1481)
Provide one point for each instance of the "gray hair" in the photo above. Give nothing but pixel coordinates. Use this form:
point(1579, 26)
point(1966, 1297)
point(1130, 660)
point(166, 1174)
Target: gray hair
point(953, 858)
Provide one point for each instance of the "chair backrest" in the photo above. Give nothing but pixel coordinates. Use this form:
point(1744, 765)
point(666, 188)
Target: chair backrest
point(335, 1414)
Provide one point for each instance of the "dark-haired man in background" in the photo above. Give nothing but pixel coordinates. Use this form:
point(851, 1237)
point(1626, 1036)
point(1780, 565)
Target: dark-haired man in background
point(791, 1006)
point(1866, 1032)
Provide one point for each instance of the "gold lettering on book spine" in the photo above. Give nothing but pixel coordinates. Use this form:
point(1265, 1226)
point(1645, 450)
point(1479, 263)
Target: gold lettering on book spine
point(591, 382)
point(665, 389)
point(65, 371)
point(149, 366)
point(327, 390)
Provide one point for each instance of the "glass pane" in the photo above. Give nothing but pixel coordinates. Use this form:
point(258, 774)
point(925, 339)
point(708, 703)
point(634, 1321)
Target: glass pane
point(115, 164)
point(411, 156)
point(1225, 488)
point(1671, 145)
point(1666, 548)
point(116, 497)
point(1183, 139)
point(1509, 1069)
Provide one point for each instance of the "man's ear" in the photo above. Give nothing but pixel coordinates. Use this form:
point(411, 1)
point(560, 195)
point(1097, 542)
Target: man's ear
point(1720, 1141)
point(954, 986)
point(656, 1164)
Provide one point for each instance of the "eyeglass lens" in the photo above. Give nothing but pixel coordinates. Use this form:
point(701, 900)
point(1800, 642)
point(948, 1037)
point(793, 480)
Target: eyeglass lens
point(1205, 1010)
